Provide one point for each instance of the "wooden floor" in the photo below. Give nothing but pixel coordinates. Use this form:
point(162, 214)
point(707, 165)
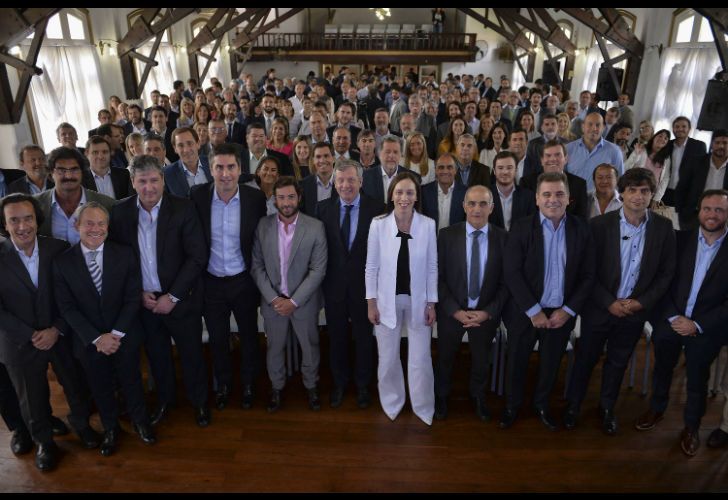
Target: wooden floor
point(353, 450)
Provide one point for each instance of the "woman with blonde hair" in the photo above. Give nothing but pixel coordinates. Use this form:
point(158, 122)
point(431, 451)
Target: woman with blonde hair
point(279, 140)
point(186, 113)
point(113, 107)
point(301, 158)
point(564, 124)
point(134, 145)
point(415, 156)
point(483, 132)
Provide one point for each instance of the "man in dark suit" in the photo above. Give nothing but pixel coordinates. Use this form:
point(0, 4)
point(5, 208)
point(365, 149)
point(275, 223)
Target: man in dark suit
point(341, 140)
point(470, 172)
point(446, 189)
point(472, 295)
point(683, 149)
point(319, 186)
point(255, 139)
point(136, 123)
point(510, 202)
point(113, 182)
point(36, 179)
point(346, 219)
point(164, 231)
point(191, 168)
point(345, 115)
point(97, 287)
point(692, 316)
point(534, 152)
point(554, 159)
point(376, 179)
point(549, 269)
point(9, 176)
point(159, 127)
point(114, 134)
point(234, 129)
point(698, 173)
point(229, 213)
point(636, 255)
point(32, 332)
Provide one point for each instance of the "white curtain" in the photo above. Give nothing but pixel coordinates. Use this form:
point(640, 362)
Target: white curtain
point(68, 91)
point(684, 77)
point(161, 77)
point(594, 61)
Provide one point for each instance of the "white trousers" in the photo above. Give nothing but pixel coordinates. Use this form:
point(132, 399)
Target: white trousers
point(419, 365)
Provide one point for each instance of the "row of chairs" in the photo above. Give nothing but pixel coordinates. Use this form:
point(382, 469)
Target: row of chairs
point(365, 29)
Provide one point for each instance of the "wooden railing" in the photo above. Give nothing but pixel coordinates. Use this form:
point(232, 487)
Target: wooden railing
point(417, 41)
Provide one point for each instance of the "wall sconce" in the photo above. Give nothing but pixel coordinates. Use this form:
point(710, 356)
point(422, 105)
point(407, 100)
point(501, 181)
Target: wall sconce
point(382, 13)
point(14, 51)
point(110, 44)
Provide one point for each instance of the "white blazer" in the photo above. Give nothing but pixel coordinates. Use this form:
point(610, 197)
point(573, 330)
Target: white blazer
point(381, 269)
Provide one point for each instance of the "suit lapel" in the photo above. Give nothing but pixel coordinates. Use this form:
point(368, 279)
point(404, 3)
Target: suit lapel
point(613, 240)
point(538, 234)
point(298, 234)
point(649, 251)
point(460, 248)
point(718, 261)
point(84, 271)
point(571, 248)
point(165, 213)
point(16, 265)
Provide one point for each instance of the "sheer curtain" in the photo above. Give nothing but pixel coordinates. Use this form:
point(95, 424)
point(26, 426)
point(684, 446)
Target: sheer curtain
point(594, 61)
point(685, 73)
point(161, 77)
point(68, 91)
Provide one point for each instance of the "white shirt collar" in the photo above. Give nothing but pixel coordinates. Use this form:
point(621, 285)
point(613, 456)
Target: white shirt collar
point(86, 251)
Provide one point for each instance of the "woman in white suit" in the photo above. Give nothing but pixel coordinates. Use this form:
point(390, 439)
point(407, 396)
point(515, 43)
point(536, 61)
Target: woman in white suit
point(401, 289)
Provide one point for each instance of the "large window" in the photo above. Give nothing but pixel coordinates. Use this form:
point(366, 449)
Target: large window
point(69, 89)
point(690, 29)
point(216, 68)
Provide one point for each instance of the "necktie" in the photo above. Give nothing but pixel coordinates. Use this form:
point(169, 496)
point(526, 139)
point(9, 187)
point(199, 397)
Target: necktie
point(267, 126)
point(230, 131)
point(95, 270)
point(346, 226)
point(474, 281)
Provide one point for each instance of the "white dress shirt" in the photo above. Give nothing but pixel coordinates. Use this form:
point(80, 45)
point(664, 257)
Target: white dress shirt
point(444, 200)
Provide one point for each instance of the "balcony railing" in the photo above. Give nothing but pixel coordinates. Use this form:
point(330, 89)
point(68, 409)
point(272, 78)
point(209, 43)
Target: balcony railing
point(418, 41)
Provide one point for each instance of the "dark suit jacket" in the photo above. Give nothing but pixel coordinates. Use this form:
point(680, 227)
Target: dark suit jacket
point(88, 313)
point(170, 152)
point(352, 128)
point(45, 198)
point(578, 199)
point(283, 161)
point(238, 136)
point(711, 307)
point(172, 117)
point(11, 175)
point(656, 269)
point(372, 184)
point(430, 206)
point(693, 174)
point(252, 209)
point(129, 128)
point(20, 185)
point(181, 250)
point(175, 181)
point(525, 267)
point(453, 272)
point(345, 268)
point(693, 148)
point(310, 194)
point(120, 180)
point(23, 307)
point(532, 163)
point(479, 174)
point(524, 204)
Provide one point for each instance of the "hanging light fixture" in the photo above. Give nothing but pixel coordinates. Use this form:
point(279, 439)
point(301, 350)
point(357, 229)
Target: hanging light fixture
point(382, 13)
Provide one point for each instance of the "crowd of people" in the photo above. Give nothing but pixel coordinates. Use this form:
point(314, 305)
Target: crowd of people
point(387, 202)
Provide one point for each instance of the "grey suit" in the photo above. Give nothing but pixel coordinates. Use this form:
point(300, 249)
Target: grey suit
point(306, 271)
point(46, 197)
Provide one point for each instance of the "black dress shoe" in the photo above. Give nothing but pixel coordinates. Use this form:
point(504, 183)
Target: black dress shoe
point(202, 416)
point(21, 442)
point(146, 433)
point(609, 422)
point(570, 417)
point(717, 439)
point(221, 397)
point(89, 438)
point(46, 457)
point(440, 408)
point(337, 397)
point(248, 396)
point(58, 427)
point(508, 418)
point(274, 403)
point(546, 419)
point(481, 409)
point(363, 399)
point(313, 399)
point(108, 445)
point(160, 413)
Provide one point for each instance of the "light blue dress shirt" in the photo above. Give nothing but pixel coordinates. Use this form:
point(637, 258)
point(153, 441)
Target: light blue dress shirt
point(582, 162)
point(483, 247)
point(226, 256)
point(62, 226)
point(554, 256)
point(2, 185)
point(31, 263)
point(147, 239)
point(464, 172)
point(354, 216)
point(631, 247)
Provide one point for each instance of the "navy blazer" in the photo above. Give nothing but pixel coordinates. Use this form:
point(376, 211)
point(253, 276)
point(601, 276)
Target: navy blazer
point(524, 204)
point(175, 181)
point(283, 162)
point(430, 206)
point(310, 194)
point(372, 184)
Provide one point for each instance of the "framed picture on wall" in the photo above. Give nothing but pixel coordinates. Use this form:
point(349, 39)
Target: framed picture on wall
point(429, 70)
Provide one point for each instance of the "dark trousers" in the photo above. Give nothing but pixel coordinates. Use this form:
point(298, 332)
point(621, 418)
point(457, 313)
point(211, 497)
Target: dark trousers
point(237, 295)
point(29, 374)
point(338, 315)
point(449, 339)
point(187, 335)
point(620, 336)
point(522, 337)
point(104, 372)
point(9, 405)
point(700, 352)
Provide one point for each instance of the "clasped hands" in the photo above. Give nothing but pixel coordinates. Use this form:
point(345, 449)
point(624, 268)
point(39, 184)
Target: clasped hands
point(684, 326)
point(108, 343)
point(622, 308)
point(558, 318)
point(161, 305)
point(283, 306)
point(471, 319)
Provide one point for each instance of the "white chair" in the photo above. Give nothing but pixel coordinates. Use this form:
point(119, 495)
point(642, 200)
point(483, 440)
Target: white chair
point(377, 36)
point(346, 36)
point(362, 36)
point(331, 34)
point(408, 35)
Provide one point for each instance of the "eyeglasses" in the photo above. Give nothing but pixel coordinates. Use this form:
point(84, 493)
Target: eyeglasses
point(217, 130)
point(64, 171)
point(481, 204)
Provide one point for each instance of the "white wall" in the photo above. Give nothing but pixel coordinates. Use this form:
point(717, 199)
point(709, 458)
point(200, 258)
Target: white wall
point(298, 69)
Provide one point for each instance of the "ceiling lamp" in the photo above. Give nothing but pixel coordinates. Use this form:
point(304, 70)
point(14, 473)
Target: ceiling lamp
point(382, 13)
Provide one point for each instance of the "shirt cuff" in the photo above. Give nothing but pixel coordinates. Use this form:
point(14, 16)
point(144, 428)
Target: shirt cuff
point(672, 318)
point(700, 330)
point(118, 333)
point(173, 298)
point(96, 340)
point(534, 310)
point(293, 302)
point(568, 310)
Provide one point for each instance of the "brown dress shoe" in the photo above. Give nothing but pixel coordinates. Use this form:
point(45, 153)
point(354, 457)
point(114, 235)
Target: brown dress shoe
point(689, 441)
point(648, 420)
